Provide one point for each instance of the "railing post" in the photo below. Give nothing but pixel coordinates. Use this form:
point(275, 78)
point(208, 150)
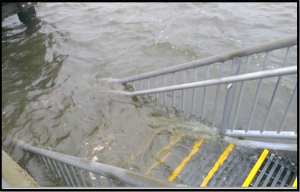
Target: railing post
point(235, 68)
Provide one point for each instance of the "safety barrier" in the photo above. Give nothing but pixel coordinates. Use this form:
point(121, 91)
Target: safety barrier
point(63, 165)
point(236, 57)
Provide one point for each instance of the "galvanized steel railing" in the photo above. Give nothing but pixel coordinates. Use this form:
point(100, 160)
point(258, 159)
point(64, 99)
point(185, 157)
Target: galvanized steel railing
point(231, 85)
point(63, 165)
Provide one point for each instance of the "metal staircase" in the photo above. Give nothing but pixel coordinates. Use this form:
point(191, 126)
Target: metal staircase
point(199, 163)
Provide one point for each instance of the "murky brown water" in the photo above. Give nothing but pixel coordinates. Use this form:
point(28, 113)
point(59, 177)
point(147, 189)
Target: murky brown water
point(56, 92)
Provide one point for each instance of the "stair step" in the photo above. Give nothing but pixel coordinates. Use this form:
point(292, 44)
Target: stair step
point(204, 164)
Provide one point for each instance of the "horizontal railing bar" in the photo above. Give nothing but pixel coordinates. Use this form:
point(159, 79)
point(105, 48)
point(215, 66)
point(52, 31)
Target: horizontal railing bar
point(261, 145)
point(119, 174)
point(265, 134)
point(277, 44)
point(230, 79)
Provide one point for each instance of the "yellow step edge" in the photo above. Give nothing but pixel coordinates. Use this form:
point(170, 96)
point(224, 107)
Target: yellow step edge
point(217, 164)
point(255, 168)
point(178, 169)
point(295, 183)
point(173, 142)
point(163, 160)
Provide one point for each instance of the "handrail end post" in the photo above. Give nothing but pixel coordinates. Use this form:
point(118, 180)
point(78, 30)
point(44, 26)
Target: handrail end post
point(235, 68)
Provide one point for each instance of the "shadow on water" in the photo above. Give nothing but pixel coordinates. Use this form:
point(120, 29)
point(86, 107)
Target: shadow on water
point(32, 27)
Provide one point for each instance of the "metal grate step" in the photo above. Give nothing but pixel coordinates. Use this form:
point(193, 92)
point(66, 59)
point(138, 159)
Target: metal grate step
point(273, 172)
point(229, 169)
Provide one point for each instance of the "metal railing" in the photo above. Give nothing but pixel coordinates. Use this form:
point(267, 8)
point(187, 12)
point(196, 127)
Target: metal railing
point(71, 169)
point(236, 57)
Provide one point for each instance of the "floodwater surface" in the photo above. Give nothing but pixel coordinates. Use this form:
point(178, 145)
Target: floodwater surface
point(57, 72)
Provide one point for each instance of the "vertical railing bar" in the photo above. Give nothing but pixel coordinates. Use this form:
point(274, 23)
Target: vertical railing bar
point(88, 174)
point(74, 175)
point(156, 94)
point(287, 56)
point(50, 165)
point(62, 174)
point(148, 86)
point(68, 174)
point(39, 156)
point(204, 95)
point(99, 180)
point(288, 53)
point(165, 93)
point(287, 110)
point(43, 158)
point(122, 184)
point(217, 95)
point(109, 181)
point(271, 104)
point(194, 91)
point(173, 75)
point(240, 95)
point(55, 168)
point(141, 86)
point(80, 176)
point(183, 92)
point(133, 85)
point(235, 69)
point(257, 93)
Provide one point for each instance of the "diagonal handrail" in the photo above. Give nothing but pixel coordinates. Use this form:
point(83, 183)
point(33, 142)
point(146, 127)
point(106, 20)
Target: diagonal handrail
point(218, 81)
point(265, 47)
point(116, 173)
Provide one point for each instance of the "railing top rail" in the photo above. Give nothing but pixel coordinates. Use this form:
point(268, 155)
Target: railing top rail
point(281, 43)
point(119, 174)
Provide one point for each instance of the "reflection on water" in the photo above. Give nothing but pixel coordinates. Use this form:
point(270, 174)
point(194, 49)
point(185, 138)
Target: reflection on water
point(58, 89)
